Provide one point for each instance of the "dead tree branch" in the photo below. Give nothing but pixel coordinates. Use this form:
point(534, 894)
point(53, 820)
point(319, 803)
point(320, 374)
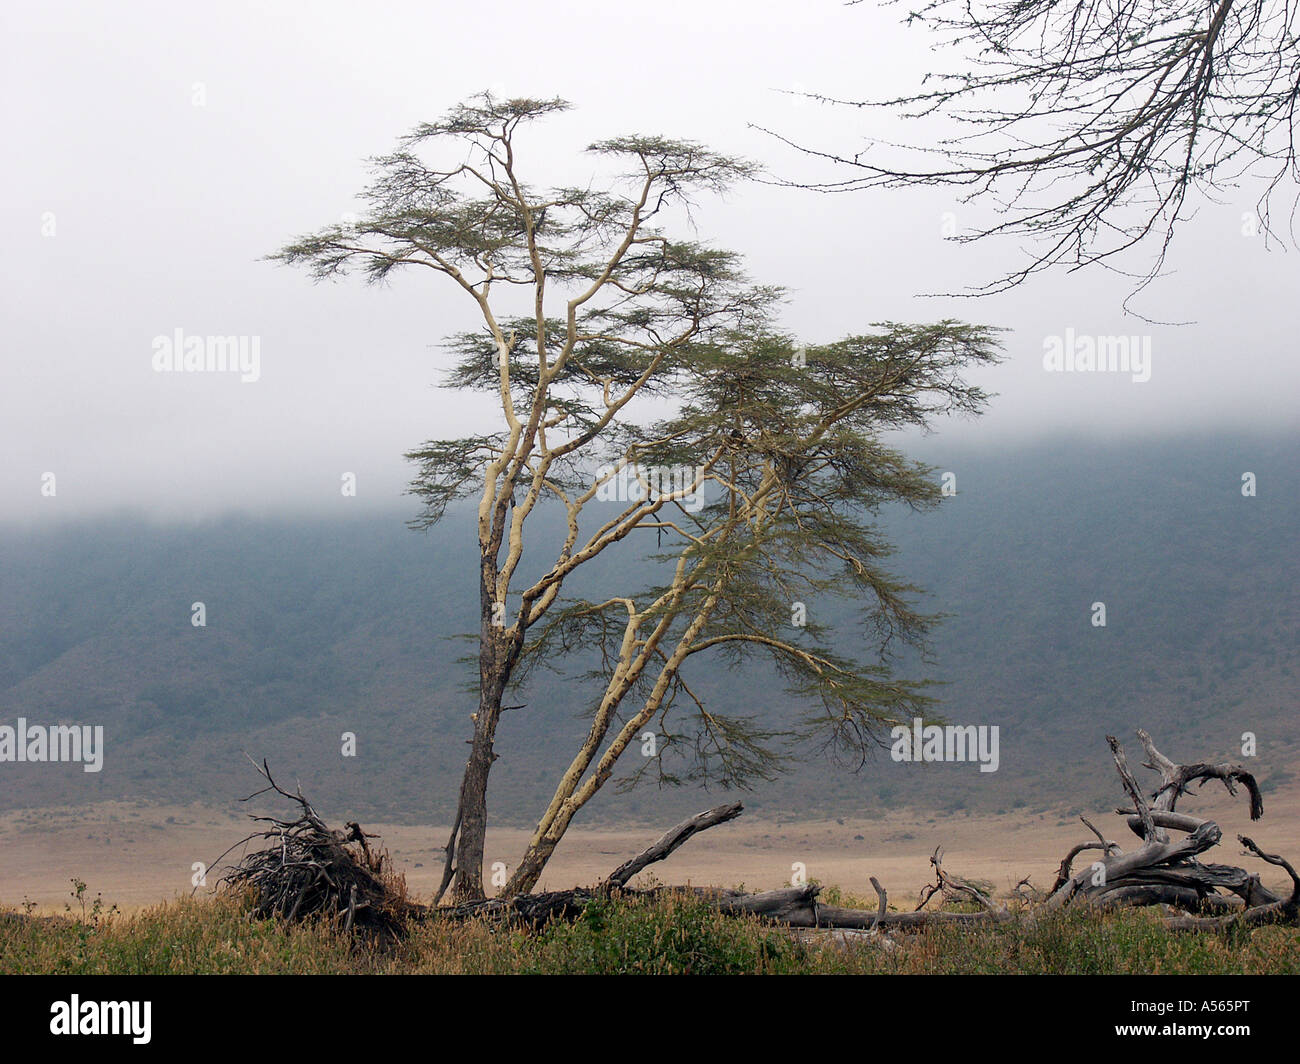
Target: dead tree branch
point(670, 841)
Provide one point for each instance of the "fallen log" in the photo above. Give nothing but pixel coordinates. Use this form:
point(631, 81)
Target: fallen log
point(1281, 910)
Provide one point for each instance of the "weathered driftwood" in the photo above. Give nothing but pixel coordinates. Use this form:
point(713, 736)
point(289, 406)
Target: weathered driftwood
point(1164, 871)
point(949, 886)
point(795, 907)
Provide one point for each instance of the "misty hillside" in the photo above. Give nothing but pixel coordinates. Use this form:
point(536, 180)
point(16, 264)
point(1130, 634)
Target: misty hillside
point(349, 624)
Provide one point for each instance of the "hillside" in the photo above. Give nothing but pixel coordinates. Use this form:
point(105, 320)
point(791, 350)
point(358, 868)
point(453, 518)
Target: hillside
point(348, 624)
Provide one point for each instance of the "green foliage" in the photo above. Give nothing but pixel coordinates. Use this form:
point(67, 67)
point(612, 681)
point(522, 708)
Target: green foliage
point(666, 936)
point(784, 440)
point(787, 446)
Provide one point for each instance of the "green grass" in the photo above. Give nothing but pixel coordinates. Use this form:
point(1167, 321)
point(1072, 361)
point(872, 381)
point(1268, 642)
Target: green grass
point(660, 936)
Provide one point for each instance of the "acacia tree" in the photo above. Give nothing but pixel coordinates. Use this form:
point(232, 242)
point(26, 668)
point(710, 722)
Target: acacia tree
point(589, 307)
point(1090, 125)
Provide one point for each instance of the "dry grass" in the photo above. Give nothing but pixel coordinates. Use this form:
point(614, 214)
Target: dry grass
point(668, 935)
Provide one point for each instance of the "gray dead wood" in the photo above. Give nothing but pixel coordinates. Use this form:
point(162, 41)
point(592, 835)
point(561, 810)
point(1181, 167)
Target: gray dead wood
point(670, 840)
point(950, 886)
point(1168, 872)
point(1162, 871)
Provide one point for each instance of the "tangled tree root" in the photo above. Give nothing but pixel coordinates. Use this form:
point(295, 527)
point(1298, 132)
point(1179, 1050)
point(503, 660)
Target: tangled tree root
point(308, 870)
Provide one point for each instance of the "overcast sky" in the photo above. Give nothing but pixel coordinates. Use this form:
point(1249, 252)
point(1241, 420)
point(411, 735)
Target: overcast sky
point(155, 152)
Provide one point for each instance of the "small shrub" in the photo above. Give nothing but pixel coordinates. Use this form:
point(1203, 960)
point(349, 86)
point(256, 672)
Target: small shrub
point(664, 935)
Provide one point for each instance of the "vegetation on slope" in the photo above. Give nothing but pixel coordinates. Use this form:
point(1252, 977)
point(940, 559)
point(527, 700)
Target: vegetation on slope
point(320, 627)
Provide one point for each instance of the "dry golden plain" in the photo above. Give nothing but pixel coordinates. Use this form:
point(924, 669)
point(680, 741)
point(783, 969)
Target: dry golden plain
point(138, 855)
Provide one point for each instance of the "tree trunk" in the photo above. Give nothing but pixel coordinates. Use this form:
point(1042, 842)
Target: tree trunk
point(529, 871)
point(467, 885)
point(532, 864)
point(468, 882)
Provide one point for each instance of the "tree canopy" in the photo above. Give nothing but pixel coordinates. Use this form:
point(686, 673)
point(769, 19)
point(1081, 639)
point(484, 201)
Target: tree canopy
point(622, 355)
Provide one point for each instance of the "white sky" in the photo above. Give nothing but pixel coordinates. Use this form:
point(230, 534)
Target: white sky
point(162, 210)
